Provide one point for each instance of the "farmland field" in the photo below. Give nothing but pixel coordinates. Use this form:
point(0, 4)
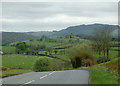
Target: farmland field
point(8, 49)
point(23, 61)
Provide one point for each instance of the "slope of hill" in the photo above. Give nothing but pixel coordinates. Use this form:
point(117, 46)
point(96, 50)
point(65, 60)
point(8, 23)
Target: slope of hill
point(39, 33)
point(86, 30)
point(9, 37)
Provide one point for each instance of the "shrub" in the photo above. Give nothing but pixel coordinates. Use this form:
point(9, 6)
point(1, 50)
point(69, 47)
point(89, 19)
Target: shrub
point(41, 64)
point(81, 56)
point(31, 52)
point(4, 69)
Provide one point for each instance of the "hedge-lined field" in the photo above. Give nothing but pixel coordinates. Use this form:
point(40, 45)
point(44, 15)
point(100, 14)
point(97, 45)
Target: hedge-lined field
point(8, 49)
point(16, 61)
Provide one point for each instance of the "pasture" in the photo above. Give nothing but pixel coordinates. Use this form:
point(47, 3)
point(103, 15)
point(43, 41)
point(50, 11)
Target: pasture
point(16, 61)
point(8, 49)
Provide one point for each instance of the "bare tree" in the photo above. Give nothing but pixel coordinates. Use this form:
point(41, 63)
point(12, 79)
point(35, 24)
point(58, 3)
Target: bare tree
point(97, 43)
point(102, 41)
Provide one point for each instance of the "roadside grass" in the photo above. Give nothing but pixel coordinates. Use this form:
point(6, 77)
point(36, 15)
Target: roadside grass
point(101, 75)
point(104, 73)
point(112, 65)
point(14, 72)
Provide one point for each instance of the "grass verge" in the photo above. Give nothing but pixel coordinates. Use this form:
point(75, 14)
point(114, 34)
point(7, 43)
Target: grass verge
point(101, 75)
point(14, 72)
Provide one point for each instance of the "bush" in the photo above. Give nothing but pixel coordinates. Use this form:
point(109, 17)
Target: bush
point(42, 64)
point(81, 56)
point(4, 69)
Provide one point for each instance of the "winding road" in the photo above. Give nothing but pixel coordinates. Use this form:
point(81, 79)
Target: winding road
point(52, 77)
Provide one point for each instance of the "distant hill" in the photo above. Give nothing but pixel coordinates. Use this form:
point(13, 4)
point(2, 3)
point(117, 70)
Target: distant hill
point(86, 30)
point(9, 37)
point(39, 33)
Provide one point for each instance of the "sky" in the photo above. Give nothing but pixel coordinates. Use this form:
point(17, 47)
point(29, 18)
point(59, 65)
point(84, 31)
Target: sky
point(49, 16)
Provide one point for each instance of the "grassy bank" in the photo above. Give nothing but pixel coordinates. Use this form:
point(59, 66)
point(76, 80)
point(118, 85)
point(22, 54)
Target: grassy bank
point(104, 73)
point(101, 75)
point(14, 72)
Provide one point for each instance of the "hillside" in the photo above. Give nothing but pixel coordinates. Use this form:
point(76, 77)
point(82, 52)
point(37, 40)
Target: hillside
point(84, 30)
point(39, 33)
point(8, 37)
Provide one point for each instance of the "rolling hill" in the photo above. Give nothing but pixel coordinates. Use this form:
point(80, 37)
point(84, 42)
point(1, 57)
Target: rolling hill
point(86, 30)
point(39, 33)
point(9, 37)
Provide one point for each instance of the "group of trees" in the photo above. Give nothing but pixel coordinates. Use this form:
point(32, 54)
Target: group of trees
point(21, 47)
point(37, 47)
point(102, 42)
point(101, 45)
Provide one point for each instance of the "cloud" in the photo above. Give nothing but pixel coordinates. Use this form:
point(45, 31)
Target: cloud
point(27, 16)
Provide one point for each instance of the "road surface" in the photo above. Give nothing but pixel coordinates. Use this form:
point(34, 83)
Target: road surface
point(53, 77)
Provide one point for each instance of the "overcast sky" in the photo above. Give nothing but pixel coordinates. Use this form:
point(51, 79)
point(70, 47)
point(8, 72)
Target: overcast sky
point(48, 16)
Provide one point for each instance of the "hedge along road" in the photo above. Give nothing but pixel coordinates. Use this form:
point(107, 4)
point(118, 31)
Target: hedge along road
point(52, 77)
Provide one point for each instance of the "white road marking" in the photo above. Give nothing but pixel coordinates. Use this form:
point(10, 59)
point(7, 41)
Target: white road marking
point(30, 82)
point(40, 78)
point(51, 72)
point(43, 76)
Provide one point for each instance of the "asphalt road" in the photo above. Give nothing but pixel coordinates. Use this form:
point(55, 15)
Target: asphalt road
point(53, 77)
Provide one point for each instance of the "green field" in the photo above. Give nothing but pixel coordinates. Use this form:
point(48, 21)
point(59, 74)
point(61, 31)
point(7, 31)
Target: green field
point(18, 61)
point(54, 42)
point(8, 49)
point(23, 61)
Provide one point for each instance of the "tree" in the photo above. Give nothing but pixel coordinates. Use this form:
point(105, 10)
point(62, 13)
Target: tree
point(102, 42)
point(81, 55)
point(41, 64)
point(43, 38)
point(106, 41)
point(21, 47)
point(97, 43)
point(119, 41)
point(56, 51)
point(49, 50)
point(31, 52)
